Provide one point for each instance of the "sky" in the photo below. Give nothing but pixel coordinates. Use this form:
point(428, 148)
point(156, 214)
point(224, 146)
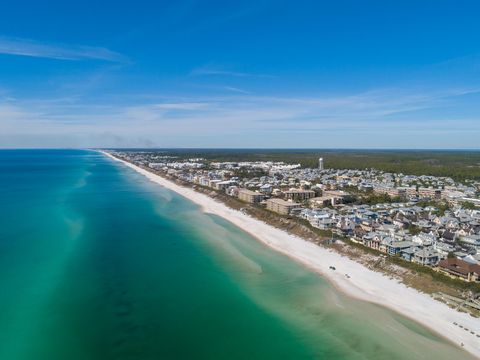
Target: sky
point(240, 74)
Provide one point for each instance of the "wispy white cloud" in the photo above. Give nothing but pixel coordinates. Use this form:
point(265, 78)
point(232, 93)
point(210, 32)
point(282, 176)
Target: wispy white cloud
point(218, 70)
point(237, 90)
point(31, 48)
point(207, 71)
point(181, 106)
point(388, 117)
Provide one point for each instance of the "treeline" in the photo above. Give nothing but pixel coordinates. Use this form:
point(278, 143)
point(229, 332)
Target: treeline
point(368, 197)
point(459, 165)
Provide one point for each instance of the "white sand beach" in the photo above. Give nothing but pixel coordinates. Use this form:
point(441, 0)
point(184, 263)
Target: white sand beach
point(363, 283)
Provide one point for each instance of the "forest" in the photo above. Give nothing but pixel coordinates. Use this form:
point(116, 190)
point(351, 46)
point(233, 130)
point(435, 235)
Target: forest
point(459, 165)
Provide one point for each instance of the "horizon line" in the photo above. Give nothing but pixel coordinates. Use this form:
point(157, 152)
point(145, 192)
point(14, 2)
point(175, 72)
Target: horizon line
point(241, 148)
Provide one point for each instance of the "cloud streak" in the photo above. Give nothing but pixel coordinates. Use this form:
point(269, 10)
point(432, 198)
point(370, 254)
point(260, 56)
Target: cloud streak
point(382, 118)
point(236, 90)
point(214, 70)
point(31, 48)
point(209, 71)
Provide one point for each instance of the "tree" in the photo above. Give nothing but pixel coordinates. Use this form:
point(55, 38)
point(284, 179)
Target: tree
point(413, 229)
point(468, 205)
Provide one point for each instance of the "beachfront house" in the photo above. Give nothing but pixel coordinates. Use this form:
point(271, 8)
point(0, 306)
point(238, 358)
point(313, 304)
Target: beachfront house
point(457, 268)
point(426, 256)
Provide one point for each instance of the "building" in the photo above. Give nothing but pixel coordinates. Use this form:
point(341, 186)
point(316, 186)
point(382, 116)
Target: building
point(281, 206)
point(460, 269)
point(390, 191)
point(411, 191)
point(321, 201)
point(430, 193)
point(213, 183)
point(222, 185)
point(396, 192)
point(249, 196)
point(299, 195)
point(320, 164)
point(329, 197)
point(266, 189)
point(396, 247)
point(425, 257)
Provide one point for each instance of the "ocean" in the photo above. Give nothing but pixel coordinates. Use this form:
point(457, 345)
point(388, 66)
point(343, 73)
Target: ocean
point(96, 262)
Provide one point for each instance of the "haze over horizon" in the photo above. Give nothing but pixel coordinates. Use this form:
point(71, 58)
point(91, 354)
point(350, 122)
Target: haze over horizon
point(261, 74)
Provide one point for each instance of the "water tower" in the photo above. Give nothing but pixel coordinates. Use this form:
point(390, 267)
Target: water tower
point(320, 164)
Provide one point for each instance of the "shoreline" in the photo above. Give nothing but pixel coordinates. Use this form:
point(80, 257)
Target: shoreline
point(363, 284)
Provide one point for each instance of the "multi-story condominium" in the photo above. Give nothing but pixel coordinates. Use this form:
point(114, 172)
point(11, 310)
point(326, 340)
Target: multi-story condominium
point(430, 192)
point(222, 185)
point(411, 191)
point(390, 190)
point(329, 197)
point(250, 196)
point(281, 206)
point(396, 192)
point(299, 195)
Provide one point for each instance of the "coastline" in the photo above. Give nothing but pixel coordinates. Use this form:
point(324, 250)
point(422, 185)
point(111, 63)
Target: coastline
point(363, 284)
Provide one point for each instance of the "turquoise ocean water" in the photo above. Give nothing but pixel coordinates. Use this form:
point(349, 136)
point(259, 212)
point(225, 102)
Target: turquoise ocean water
point(96, 262)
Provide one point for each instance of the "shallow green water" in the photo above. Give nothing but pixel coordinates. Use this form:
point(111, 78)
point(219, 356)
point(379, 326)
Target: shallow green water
point(98, 263)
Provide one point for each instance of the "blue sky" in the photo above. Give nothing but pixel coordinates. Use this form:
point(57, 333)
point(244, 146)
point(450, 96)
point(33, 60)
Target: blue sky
point(319, 74)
